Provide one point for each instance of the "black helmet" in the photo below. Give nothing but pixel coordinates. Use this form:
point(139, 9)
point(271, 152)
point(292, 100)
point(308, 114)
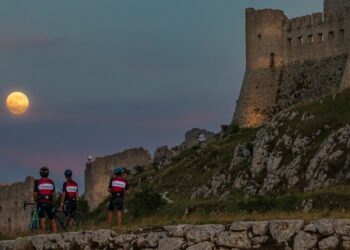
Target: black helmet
point(44, 172)
point(68, 173)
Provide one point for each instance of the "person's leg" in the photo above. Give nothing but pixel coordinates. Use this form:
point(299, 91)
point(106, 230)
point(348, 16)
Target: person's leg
point(42, 218)
point(120, 218)
point(43, 225)
point(110, 218)
point(110, 213)
point(53, 226)
point(51, 215)
point(120, 203)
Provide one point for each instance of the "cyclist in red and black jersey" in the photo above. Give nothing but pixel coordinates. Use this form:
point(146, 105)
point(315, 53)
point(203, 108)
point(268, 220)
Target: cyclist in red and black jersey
point(43, 192)
point(69, 194)
point(117, 187)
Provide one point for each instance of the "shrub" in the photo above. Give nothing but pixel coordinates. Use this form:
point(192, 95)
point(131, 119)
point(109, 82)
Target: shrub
point(82, 204)
point(145, 202)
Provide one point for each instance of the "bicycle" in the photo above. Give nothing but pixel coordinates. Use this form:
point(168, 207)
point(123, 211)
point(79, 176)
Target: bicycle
point(66, 222)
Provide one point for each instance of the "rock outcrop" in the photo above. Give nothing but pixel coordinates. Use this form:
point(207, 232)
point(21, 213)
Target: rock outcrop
point(289, 234)
point(163, 156)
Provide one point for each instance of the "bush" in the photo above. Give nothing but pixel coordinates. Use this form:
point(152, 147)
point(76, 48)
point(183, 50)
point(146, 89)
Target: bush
point(82, 204)
point(234, 128)
point(139, 169)
point(145, 202)
point(265, 204)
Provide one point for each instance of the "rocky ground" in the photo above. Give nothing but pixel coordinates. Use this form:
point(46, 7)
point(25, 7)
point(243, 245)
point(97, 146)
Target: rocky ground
point(292, 234)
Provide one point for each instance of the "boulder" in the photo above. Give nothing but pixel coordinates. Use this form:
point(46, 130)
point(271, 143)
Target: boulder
point(283, 231)
point(304, 241)
point(234, 240)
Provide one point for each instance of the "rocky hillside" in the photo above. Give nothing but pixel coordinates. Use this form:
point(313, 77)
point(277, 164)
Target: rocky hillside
point(297, 161)
point(323, 234)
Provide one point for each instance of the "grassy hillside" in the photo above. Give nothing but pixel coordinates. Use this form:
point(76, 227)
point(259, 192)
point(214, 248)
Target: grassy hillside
point(197, 166)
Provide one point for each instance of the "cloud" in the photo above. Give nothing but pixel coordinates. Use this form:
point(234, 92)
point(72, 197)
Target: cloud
point(27, 42)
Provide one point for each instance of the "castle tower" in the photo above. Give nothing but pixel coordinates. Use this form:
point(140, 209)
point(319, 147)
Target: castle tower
point(264, 59)
point(335, 6)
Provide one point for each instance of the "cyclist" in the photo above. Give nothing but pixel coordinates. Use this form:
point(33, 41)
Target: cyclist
point(117, 187)
point(44, 190)
point(69, 195)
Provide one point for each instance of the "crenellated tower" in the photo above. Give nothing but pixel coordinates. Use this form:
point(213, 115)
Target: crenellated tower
point(292, 60)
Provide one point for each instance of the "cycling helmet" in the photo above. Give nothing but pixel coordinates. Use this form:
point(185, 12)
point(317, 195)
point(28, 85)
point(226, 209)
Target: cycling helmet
point(44, 172)
point(118, 170)
point(68, 173)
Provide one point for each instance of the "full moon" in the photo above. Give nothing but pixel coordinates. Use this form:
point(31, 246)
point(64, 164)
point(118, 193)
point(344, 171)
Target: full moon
point(17, 103)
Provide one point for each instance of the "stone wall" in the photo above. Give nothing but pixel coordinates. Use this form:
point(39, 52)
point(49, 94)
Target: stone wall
point(195, 136)
point(99, 172)
point(300, 82)
point(282, 54)
point(291, 234)
point(13, 217)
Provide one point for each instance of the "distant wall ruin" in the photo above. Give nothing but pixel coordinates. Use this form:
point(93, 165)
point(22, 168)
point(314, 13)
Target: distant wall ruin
point(99, 172)
point(13, 216)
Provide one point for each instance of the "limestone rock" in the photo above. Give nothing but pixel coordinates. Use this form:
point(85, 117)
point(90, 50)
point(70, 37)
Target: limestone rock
point(234, 240)
point(163, 156)
point(171, 243)
point(304, 241)
point(199, 233)
point(325, 227)
point(260, 227)
point(202, 246)
point(241, 153)
point(329, 243)
point(283, 231)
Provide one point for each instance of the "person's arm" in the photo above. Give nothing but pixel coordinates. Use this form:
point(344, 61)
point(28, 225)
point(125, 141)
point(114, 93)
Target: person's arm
point(110, 187)
point(126, 188)
point(35, 191)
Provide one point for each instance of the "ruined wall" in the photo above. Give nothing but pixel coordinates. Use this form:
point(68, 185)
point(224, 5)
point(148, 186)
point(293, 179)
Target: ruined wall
point(302, 58)
point(13, 217)
point(195, 136)
point(98, 172)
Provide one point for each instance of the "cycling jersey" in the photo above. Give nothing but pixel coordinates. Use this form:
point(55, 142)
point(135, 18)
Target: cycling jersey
point(45, 188)
point(70, 188)
point(118, 185)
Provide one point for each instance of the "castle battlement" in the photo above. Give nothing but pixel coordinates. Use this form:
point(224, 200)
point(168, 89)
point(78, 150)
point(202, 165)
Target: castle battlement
point(279, 48)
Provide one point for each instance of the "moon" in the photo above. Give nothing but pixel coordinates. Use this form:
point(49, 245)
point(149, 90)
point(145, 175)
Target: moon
point(17, 103)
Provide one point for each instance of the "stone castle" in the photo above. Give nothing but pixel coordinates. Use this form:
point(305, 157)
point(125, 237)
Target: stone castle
point(292, 60)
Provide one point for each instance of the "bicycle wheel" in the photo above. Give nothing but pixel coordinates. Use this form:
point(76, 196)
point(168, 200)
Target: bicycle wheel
point(76, 221)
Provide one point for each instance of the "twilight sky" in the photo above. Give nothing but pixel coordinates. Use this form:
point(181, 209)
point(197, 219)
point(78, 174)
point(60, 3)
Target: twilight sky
point(103, 76)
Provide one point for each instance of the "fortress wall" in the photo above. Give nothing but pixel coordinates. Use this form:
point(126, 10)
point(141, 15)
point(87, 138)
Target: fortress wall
point(335, 5)
point(98, 172)
point(313, 38)
point(292, 60)
point(13, 217)
point(309, 80)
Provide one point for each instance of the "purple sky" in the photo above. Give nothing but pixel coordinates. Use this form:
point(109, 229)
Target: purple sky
point(104, 76)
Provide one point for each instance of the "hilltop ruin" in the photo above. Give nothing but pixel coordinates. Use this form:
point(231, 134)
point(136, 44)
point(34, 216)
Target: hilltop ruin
point(292, 60)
